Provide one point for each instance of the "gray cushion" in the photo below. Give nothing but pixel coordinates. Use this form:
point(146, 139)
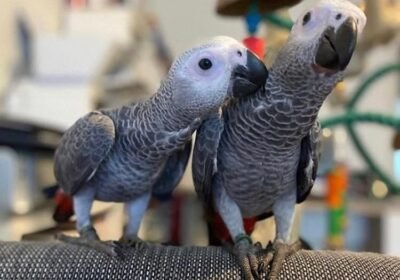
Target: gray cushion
point(55, 260)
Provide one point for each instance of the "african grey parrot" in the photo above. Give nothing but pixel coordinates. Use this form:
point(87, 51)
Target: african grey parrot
point(258, 157)
point(130, 153)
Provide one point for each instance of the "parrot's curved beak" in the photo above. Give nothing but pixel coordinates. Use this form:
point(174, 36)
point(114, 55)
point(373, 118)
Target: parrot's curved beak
point(249, 78)
point(336, 48)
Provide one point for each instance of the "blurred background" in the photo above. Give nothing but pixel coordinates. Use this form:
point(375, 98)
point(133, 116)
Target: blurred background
point(60, 59)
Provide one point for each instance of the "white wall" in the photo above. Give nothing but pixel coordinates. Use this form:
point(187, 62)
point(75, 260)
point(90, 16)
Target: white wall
point(43, 15)
point(186, 22)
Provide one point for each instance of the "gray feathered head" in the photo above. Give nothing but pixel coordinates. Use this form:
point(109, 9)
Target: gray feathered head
point(326, 31)
point(203, 77)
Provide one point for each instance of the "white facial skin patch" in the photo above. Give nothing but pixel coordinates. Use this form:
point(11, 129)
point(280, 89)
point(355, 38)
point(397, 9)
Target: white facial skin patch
point(346, 6)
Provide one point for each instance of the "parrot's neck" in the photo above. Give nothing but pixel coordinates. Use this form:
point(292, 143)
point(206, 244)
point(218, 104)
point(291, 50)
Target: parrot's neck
point(295, 90)
point(162, 111)
point(298, 81)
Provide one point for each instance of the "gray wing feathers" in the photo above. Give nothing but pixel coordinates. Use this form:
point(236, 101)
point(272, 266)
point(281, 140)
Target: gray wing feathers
point(205, 156)
point(173, 172)
point(82, 149)
point(308, 163)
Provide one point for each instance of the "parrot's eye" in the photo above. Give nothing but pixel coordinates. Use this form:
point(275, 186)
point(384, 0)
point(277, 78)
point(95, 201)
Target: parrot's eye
point(306, 18)
point(239, 53)
point(338, 16)
point(205, 64)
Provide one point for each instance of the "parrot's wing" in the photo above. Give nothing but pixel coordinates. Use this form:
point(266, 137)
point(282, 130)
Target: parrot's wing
point(308, 163)
point(81, 150)
point(205, 156)
point(172, 173)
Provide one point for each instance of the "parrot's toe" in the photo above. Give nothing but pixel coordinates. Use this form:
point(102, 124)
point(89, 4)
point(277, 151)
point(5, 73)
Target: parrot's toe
point(249, 262)
point(247, 256)
point(132, 241)
point(89, 232)
point(111, 248)
point(274, 256)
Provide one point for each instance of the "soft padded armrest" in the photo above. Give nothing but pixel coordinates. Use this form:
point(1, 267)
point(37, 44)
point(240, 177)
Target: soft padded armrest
point(55, 260)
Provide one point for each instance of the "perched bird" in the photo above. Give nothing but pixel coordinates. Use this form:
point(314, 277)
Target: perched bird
point(130, 153)
point(258, 158)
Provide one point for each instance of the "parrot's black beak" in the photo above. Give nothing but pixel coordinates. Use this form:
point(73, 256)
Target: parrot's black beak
point(250, 78)
point(336, 48)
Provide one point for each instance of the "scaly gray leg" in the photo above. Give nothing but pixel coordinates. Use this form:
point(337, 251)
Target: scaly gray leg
point(135, 210)
point(243, 249)
point(277, 252)
point(88, 237)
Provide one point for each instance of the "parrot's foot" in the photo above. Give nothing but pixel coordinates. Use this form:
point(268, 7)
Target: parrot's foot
point(133, 241)
point(89, 238)
point(247, 256)
point(275, 255)
point(111, 248)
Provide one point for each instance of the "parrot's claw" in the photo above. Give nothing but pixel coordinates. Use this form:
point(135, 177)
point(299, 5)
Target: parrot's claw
point(133, 241)
point(274, 256)
point(248, 261)
point(111, 248)
point(247, 255)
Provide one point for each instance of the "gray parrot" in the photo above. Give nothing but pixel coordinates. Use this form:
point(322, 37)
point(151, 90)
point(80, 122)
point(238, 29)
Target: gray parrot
point(258, 157)
point(130, 153)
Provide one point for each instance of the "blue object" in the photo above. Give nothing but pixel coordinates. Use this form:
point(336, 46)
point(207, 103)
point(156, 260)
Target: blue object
point(253, 18)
